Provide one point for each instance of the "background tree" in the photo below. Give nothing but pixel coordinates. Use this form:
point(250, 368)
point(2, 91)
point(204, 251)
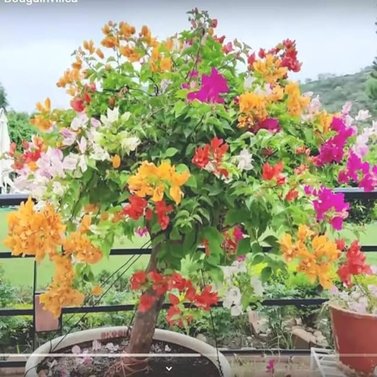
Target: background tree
point(3, 97)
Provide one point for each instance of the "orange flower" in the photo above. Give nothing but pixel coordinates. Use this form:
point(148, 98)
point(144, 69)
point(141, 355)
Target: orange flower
point(295, 102)
point(116, 161)
point(97, 290)
point(126, 30)
point(34, 233)
point(150, 180)
point(81, 247)
point(110, 42)
point(269, 69)
point(89, 46)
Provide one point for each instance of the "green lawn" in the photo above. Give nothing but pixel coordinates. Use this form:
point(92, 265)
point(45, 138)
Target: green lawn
point(19, 271)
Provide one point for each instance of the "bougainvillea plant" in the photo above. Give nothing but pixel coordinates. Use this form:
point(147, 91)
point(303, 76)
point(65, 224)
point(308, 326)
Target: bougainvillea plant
point(200, 142)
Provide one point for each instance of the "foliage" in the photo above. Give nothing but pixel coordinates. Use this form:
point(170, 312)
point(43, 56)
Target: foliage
point(205, 145)
point(20, 128)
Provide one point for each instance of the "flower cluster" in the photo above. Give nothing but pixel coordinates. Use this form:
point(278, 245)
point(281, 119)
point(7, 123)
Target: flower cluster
point(151, 180)
point(210, 157)
point(179, 289)
point(355, 264)
point(314, 253)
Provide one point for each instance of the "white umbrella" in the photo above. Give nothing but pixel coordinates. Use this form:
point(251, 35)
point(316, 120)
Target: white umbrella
point(5, 163)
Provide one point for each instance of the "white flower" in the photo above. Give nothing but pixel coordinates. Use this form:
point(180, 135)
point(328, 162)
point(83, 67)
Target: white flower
point(112, 116)
point(99, 153)
point(80, 121)
point(244, 160)
point(69, 136)
point(82, 145)
point(346, 108)
point(70, 162)
point(232, 301)
point(232, 297)
point(128, 143)
point(248, 82)
point(58, 189)
point(257, 285)
point(362, 115)
point(95, 122)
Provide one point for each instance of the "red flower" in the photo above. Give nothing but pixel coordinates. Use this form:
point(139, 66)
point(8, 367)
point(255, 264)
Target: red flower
point(173, 314)
point(146, 302)
point(162, 211)
point(201, 157)
point(138, 279)
point(173, 299)
point(214, 153)
point(206, 299)
point(78, 105)
point(291, 195)
point(274, 173)
point(355, 264)
point(160, 285)
point(177, 281)
point(251, 59)
point(218, 149)
point(135, 209)
point(340, 244)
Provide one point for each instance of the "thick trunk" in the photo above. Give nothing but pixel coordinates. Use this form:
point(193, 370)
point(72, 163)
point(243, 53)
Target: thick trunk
point(145, 323)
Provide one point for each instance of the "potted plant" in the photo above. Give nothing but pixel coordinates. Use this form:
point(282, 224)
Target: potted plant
point(201, 143)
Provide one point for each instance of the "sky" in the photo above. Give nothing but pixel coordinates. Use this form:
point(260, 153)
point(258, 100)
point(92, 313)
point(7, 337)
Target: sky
point(37, 40)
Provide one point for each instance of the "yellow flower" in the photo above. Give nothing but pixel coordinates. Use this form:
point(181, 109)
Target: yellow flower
point(269, 69)
point(82, 248)
point(304, 233)
point(158, 193)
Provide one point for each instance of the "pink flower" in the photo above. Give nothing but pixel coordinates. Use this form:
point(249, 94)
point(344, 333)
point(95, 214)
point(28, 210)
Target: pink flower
point(269, 124)
point(331, 206)
point(270, 366)
point(238, 233)
point(69, 137)
point(212, 86)
point(142, 231)
point(333, 149)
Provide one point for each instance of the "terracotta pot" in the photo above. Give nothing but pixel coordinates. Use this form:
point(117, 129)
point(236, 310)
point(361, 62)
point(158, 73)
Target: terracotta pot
point(120, 331)
point(355, 338)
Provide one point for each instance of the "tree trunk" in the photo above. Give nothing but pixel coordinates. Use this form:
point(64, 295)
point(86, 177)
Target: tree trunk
point(145, 323)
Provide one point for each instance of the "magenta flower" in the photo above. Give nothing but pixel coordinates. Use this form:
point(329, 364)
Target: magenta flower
point(212, 86)
point(330, 206)
point(270, 366)
point(333, 149)
point(269, 124)
point(238, 233)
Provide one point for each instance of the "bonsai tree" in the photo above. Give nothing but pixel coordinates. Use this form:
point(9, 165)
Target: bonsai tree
point(202, 143)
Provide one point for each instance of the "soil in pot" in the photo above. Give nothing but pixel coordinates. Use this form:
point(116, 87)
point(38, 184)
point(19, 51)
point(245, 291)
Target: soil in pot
point(93, 366)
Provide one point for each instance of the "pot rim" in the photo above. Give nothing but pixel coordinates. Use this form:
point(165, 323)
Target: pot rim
point(64, 341)
point(332, 305)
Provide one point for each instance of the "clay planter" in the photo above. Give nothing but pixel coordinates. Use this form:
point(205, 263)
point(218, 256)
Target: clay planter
point(171, 337)
point(355, 337)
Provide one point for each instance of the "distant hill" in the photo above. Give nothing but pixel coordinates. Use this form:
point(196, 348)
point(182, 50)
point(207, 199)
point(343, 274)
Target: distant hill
point(334, 91)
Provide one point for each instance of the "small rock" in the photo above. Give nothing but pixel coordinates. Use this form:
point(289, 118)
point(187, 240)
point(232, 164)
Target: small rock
point(302, 339)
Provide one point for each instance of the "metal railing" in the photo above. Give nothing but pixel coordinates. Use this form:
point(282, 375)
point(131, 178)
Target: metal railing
point(15, 200)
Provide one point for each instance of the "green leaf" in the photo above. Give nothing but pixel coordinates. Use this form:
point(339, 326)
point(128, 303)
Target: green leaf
point(170, 152)
point(237, 216)
point(266, 274)
point(244, 247)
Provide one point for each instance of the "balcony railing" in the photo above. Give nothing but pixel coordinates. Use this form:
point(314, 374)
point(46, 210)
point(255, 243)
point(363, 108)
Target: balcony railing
point(15, 200)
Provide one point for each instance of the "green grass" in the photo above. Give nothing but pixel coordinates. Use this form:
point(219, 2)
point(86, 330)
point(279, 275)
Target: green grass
point(19, 271)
